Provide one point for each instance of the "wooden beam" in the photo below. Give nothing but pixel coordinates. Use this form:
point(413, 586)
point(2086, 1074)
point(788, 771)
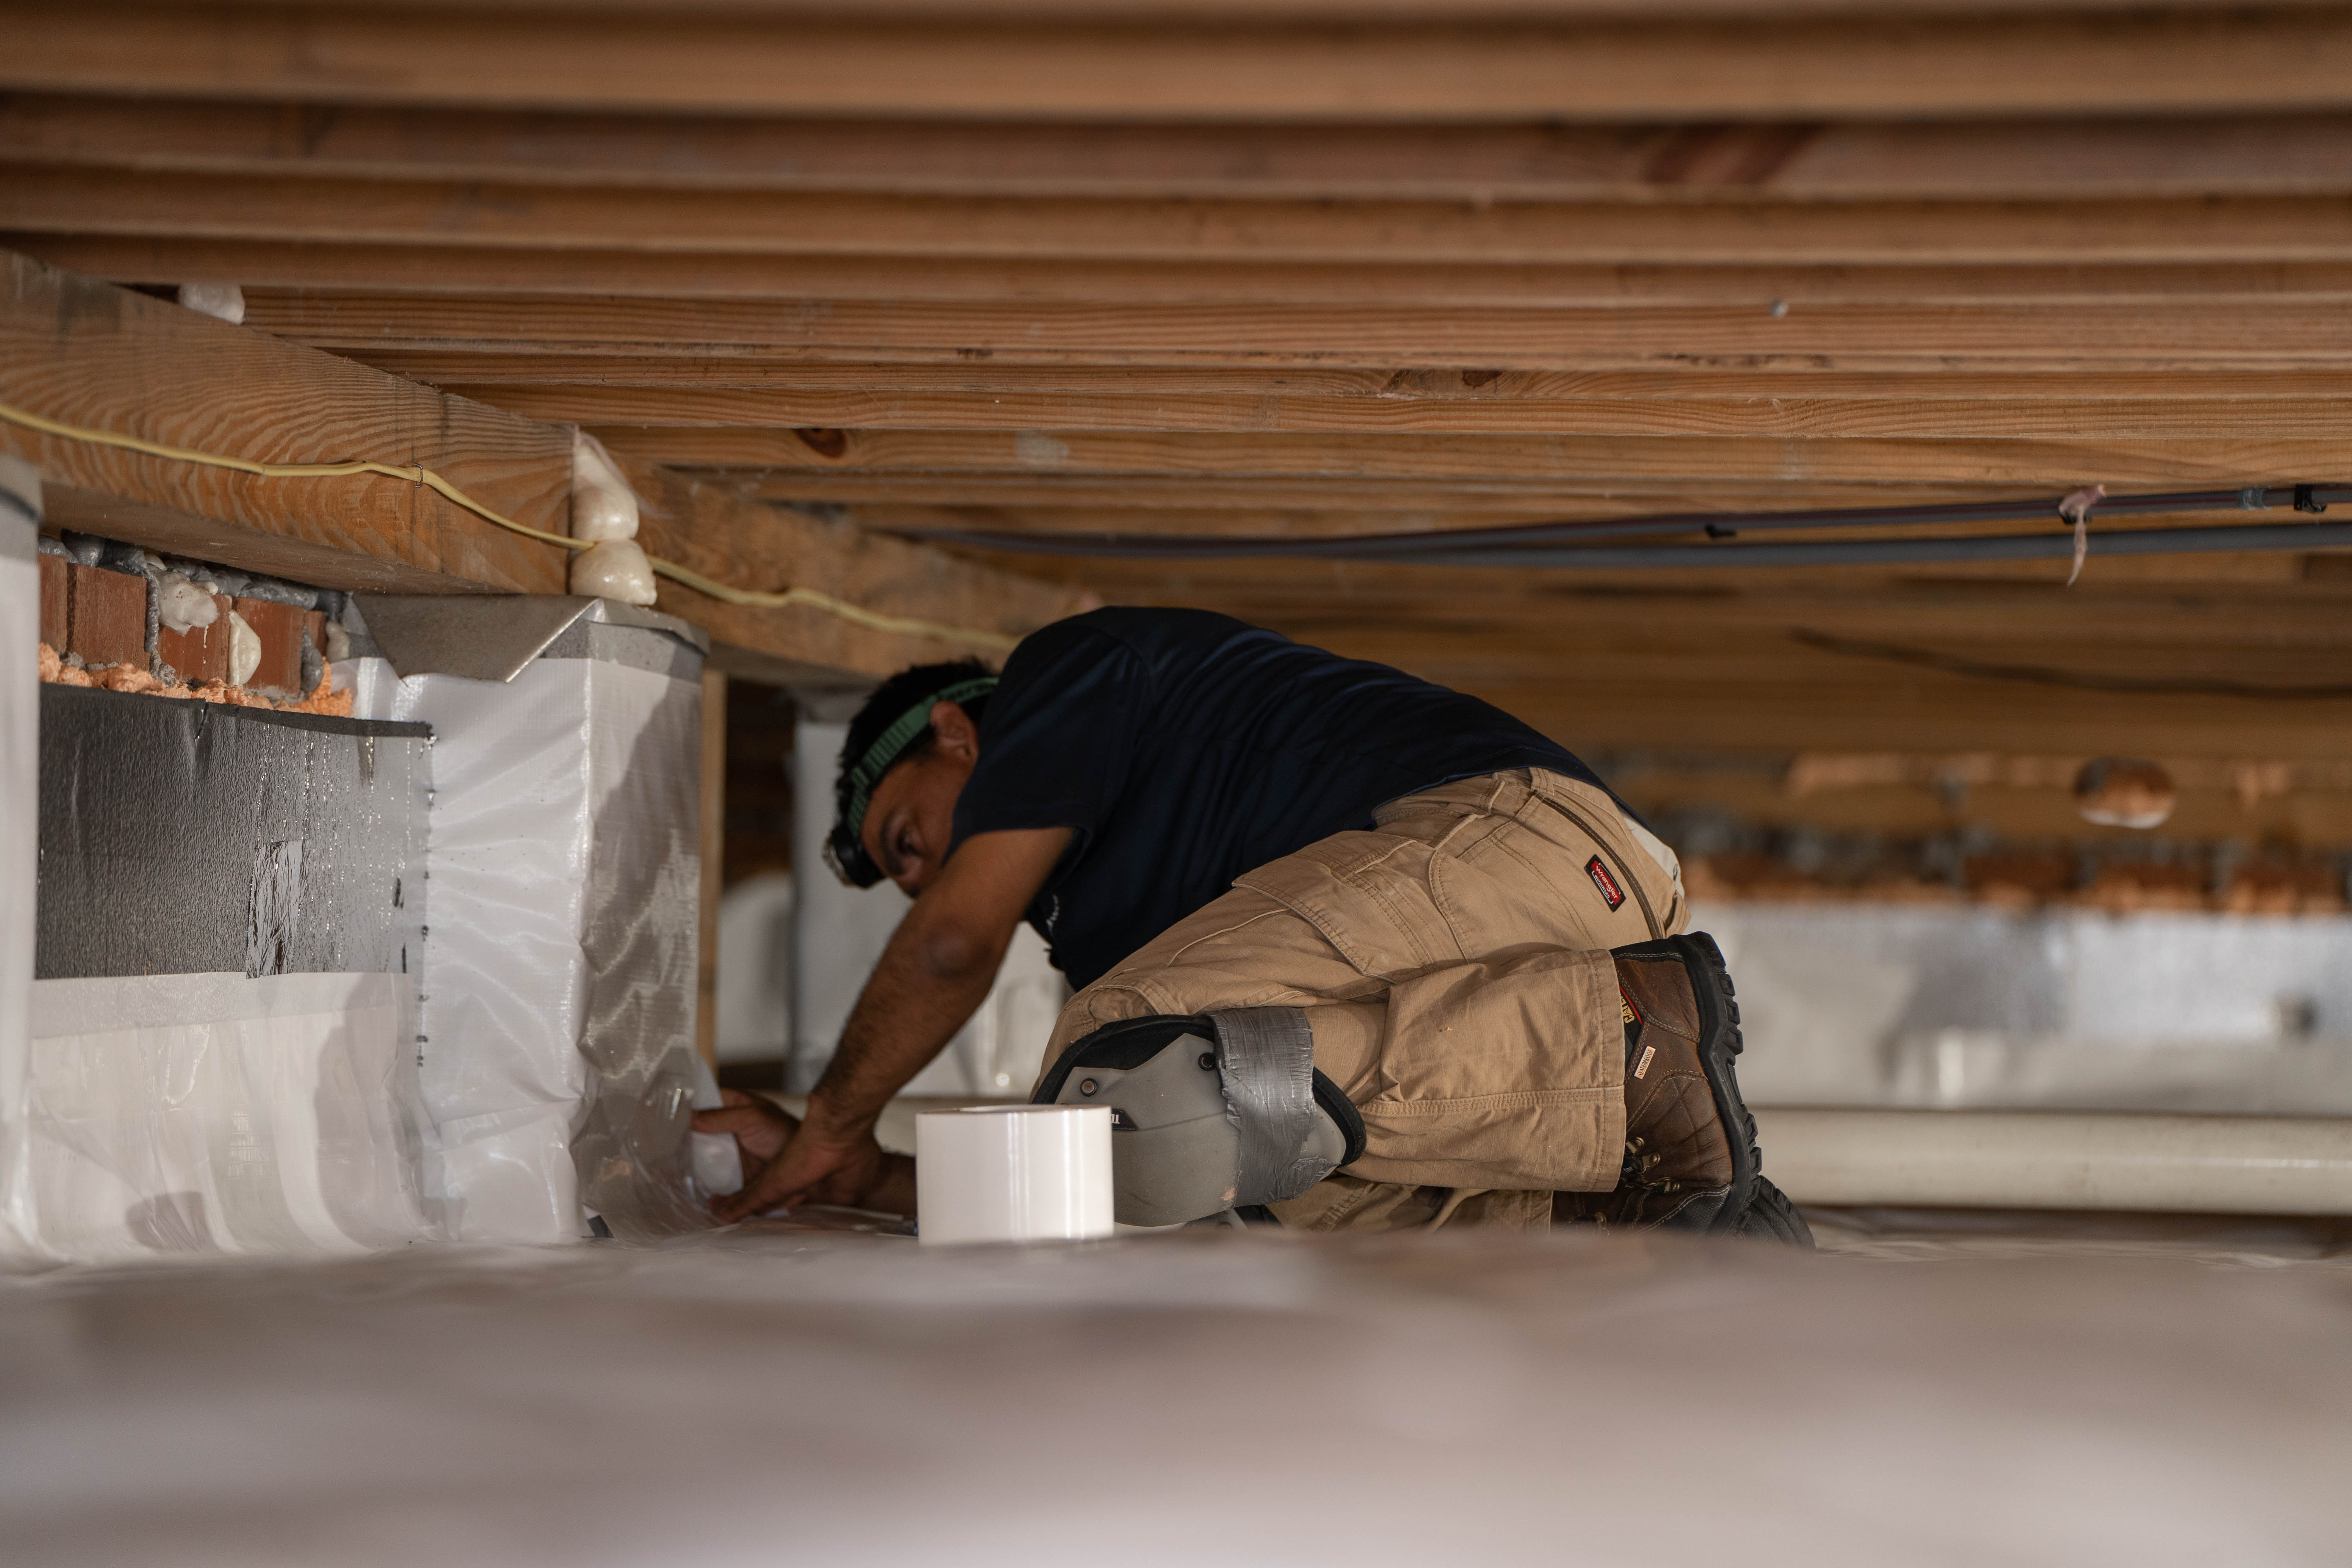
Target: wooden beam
point(2216, 59)
point(2252, 457)
point(625, 376)
point(1170, 517)
point(1895, 408)
point(2118, 335)
point(2072, 158)
point(200, 538)
point(1930, 711)
point(798, 223)
point(746, 544)
point(1143, 494)
point(356, 266)
point(1357, 12)
point(1482, 605)
point(1666, 663)
point(89, 355)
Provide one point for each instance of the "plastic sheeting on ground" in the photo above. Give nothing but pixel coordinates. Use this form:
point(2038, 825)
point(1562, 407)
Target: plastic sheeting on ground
point(560, 970)
point(195, 1113)
point(764, 1397)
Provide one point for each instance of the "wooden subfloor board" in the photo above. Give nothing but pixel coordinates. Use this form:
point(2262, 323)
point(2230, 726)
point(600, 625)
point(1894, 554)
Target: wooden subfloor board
point(1621, 68)
point(2234, 335)
point(354, 266)
point(2071, 158)
point(443, 213)
point(1308, 459)
point(2090, 414)
point(1142, 493)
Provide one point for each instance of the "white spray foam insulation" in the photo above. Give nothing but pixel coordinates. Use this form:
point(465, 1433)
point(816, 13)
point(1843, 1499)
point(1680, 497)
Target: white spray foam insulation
point(603, 504)
point(613, 569)
point(243, 651)
point(224, 300)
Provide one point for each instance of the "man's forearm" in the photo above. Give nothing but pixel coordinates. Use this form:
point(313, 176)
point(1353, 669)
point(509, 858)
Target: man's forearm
point(937, 969)
point(916, 1001)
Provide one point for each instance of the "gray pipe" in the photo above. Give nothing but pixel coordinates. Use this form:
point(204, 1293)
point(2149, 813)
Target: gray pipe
point(1867, 552)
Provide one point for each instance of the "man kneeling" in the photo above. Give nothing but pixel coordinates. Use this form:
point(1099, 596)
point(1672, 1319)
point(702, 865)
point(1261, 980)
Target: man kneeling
point(1350, 950)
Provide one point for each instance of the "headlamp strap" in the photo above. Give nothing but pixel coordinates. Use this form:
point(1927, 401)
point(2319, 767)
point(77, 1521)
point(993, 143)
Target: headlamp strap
point(892, 743)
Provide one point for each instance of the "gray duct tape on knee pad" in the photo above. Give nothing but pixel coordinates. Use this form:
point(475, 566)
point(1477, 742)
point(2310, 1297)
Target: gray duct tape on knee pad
point(1267, 1057)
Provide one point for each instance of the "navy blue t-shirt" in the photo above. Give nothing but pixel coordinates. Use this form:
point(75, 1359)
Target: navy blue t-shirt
point(1187, 748)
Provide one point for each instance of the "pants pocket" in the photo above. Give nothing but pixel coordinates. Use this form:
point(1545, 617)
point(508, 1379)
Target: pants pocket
point(1505, 1073)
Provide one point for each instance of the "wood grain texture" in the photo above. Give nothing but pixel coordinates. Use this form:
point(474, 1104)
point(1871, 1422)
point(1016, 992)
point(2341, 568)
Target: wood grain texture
point(1079, 385)
point(89, 355)
point(1621, 67)
point(1673, 662)
point(247, 549)
point(2112, 334)
point(800, 223)
point(1497, 499)
point(744, 542)
point(2073, 159)
point(353, 265)
point(1353, 12)
point(1315, 268)
point(2074, 408)
point(2173, 461)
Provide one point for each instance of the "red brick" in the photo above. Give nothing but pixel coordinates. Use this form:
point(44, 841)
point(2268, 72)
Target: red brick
point(280, 628)
point(108, 623)
point(54, 595)
point(201, 653)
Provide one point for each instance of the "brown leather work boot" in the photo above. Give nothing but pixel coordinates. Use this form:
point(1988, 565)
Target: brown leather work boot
point(1691, 1160)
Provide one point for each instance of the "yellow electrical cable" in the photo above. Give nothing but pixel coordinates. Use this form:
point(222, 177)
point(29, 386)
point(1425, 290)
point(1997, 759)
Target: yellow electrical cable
point(840, 609)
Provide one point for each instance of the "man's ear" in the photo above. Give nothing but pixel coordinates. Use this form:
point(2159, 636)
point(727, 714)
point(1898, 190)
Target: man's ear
point(957, 737)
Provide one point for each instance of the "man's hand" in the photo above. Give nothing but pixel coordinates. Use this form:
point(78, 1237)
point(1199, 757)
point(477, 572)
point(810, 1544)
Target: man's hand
point(789, 1162)
point(760, 1127)
point(938, 967)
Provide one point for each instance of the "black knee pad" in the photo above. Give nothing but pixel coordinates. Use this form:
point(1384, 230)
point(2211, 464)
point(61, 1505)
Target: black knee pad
point(1209, 1112)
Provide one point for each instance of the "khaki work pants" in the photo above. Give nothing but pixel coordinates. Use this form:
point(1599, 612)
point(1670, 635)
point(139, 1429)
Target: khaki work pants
point(1453, 963)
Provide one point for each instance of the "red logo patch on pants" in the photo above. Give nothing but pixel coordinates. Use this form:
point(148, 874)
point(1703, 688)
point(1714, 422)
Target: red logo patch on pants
point(1611, 892)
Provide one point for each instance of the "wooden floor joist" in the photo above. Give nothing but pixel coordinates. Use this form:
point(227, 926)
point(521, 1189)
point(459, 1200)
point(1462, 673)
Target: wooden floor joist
point(93, 356)
point(2234, 333)
point(270, 207)
point(1763, 462)
point(827, 275)
point(1764, 62)
point(348, 265)
point(2048, 159)
point(88, 355)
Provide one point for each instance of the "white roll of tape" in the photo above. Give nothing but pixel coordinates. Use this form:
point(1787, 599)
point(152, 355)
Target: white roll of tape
point(1013, 1172)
